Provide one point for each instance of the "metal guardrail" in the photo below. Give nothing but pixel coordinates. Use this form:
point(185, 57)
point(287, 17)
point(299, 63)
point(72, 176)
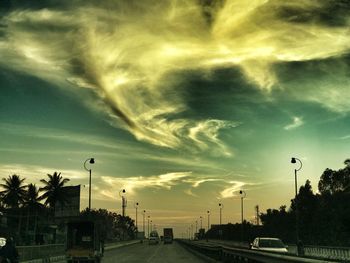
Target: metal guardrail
point(45, 252)
point(319, 252)
point(229, 254)
point(337, 253)
point(42, 251)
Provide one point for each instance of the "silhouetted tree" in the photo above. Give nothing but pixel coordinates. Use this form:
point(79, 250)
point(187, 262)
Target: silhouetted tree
point(111, 224)
point(32, 204)
point(278, 223)
point(53, 190)
point(13, 195)
point(332, 181)
point(308, 206)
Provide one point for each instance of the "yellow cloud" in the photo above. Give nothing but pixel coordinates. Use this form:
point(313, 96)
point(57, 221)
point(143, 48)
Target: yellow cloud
point(129, 52)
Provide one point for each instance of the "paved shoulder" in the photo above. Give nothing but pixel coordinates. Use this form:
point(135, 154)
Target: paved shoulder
point(161, 253)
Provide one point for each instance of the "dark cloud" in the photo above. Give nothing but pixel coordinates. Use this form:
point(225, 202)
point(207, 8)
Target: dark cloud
point(11, 5)
point(210, 8)
point(330, 13)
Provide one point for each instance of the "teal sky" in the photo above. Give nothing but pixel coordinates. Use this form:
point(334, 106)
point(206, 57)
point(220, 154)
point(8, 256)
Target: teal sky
point(181, 103)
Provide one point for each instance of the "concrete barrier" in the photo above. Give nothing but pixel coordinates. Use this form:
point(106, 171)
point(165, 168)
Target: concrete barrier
point(43, 251)
point(324, 252)
point(54, 253)
point(338, 253)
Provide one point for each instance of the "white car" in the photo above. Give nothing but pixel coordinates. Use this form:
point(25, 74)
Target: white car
point(153, 237)
point(2, 242)
point(269, 244)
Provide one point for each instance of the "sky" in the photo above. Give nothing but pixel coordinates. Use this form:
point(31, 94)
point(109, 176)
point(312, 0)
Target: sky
point(182, 103)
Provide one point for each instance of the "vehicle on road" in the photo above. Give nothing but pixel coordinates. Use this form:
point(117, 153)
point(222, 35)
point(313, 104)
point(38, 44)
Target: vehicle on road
point(153, 237)
point(168, 235)
point(2, 242)
point(84, 242)
point(269, 244)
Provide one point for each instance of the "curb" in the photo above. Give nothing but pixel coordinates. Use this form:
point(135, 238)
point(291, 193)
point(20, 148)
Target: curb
point(198, 254)
point(122, 245)
point(63, 257)
point(45, 260)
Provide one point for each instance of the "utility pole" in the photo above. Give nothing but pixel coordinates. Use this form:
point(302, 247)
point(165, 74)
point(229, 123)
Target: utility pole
point(257, 215)
point(144, 230)
point(208, 212)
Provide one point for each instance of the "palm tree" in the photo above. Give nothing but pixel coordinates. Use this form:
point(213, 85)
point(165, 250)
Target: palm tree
point(32, 203)
point(53, 190)
point(32, 198)
point(14, 192)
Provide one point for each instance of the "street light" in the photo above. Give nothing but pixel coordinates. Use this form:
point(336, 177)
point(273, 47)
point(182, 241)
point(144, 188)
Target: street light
point(243, 195)
point(208, 212)
point(148, 225)
point(294, 160)
point(201, 218)
point(144, 214)
point(221, 206)
point(191, 231)
point(136, 205)
point(122, 195)
point(91, 161)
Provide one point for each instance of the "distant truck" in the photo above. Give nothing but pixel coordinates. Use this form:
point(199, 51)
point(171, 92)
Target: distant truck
point(168, 235)
point(84, 242)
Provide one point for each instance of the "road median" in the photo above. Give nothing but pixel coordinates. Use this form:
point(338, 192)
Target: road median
point(62, 257)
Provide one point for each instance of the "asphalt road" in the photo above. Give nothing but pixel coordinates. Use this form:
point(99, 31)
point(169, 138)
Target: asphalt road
point(143, 252)
point(168, 253)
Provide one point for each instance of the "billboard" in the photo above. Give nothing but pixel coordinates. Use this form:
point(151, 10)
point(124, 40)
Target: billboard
point(72, 207)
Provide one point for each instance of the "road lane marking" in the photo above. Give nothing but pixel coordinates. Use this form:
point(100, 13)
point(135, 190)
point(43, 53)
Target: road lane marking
point(154, 254)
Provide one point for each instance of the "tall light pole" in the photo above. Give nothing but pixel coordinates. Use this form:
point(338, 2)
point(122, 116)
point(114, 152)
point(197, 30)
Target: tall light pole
point(208, 212)
point(148, 226)
point(144, 214)
point(122, 195)
point(243, 195)
point(136, 206)
point(220, 207)
point(91, 161)
point(151, 226)
point(196, 227)
point(201, 218)
point(191, 231)
point(294, 160)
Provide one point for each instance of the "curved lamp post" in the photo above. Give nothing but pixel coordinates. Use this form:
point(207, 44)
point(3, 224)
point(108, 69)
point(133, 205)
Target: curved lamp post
point(144, 214)
point(243, 195)
point(122, 195)
point(221, 206)
point(91, 161)
point(208, 212)
point(136, 205)
point(294, 160)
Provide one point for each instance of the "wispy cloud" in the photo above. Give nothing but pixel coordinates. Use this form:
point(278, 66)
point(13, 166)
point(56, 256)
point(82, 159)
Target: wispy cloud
point(34, 173)
point(166, 181)
point(232, 190)
point(128, 55)
point(346, 137)
point(297, 122)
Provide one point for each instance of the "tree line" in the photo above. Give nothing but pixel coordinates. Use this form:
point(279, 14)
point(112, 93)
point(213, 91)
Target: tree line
point(30, 211)
point(324, 217)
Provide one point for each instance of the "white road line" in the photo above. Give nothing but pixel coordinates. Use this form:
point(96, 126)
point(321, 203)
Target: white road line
point(154, 254)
